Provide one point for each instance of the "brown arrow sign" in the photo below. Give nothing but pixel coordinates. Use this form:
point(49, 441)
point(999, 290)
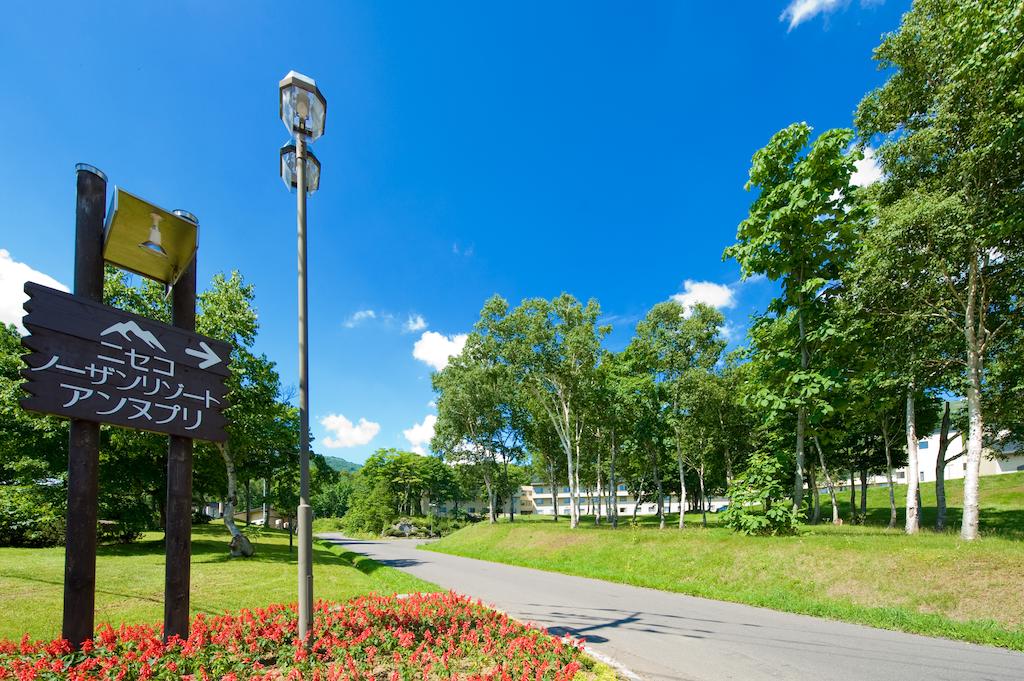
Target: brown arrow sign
point(97, 363)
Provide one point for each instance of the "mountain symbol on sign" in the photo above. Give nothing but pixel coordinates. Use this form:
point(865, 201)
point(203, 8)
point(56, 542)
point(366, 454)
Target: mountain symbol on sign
point(130, 327)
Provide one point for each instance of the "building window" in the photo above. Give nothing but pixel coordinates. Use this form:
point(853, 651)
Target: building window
point(622, 488)
point(922, 476)
point(565, 489)
point(900, 475)
point(472, 509)
point(1020, 467)
point(622, 509)
point(923, 444)
point(539, 490)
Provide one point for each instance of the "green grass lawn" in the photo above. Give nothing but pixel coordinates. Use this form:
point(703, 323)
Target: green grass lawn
point(130, 580)
point(1002, 507)
point(1002, 504)
point(931, 584)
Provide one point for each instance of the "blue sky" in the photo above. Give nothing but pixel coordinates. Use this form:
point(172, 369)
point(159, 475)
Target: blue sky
point(522, 148)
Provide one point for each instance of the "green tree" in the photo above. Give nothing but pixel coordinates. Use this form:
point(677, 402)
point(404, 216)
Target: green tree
point(951, 126)
point(551, 348)
point(799, 232)
point(470, 425)
point(678, 348)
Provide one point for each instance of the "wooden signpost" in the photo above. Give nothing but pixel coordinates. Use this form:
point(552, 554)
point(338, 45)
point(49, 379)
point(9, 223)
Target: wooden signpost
point(96, 364)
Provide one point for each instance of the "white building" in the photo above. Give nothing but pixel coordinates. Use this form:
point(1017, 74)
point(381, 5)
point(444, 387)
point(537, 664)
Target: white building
point(1007, 460)
point(539, 498)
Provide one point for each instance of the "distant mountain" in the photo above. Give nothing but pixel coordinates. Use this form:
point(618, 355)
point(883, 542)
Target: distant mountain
point(339, 464)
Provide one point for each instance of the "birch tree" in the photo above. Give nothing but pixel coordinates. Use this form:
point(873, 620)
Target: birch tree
point(551, 347)
point(950, 126)
point(671, 343)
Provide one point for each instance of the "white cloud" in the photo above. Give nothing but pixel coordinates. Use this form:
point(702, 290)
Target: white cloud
point(13, 275)
point(431, 404)
point(799, 11)
point(345, 434)
point(359, 317)
point(867, 169)
point(415, 322)
point(718, 296)
point(420, 434)
point(436, 349)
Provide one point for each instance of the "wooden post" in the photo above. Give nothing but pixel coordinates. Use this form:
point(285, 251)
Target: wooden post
point(178, 534)
point(84, 440)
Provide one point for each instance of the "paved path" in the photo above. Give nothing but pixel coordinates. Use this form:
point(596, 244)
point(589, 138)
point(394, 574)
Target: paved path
point(661, 635)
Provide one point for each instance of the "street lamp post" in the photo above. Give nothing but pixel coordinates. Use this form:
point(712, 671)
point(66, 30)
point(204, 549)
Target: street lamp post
point(303, 110)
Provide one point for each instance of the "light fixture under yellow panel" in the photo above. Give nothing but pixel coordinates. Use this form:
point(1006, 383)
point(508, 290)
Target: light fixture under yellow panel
point(148, 240)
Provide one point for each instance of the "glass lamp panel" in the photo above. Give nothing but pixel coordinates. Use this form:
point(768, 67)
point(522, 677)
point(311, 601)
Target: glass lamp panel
point(317, 115)
point(288, 107)
point(288, 167)
point(312, 175)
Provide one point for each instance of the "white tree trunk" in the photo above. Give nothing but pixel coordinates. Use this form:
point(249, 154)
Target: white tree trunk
point(240, 544)
point(913, 473)
point(489, 485)
point(940, 469)
point(975, 335)
point(613, 486)
point(828, 482)
point(969, 529)
point(682, 482)
point(577, 436)
point(703, 497)
point(888, 474)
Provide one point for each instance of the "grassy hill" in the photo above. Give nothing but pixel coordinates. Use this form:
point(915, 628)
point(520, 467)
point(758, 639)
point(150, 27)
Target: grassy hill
point(1002, 503)
point(931, 584)
point(342, 465)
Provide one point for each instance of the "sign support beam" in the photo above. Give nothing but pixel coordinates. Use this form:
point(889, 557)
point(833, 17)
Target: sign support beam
point(178, 532)
point(84, 440)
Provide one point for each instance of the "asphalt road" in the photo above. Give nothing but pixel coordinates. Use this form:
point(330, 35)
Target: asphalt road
point(659, 635)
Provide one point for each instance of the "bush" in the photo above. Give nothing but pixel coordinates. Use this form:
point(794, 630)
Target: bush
point(437, 636)
point(372, 510)
point(123, 519)
point(29, 517)
point(328, 525)
point(758, 502)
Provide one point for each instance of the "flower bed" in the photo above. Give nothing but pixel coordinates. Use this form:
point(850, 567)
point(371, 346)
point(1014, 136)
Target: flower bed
point(381, 638)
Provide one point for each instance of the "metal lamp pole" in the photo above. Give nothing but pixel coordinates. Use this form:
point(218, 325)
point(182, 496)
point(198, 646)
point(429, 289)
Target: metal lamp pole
point(303, 111)
point(305, 511)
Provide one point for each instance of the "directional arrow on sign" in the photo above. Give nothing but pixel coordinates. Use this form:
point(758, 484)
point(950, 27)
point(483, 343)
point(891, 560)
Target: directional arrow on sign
point(208, 356)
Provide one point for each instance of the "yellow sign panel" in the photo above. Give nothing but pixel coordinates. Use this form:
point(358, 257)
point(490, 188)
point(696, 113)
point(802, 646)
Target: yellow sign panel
point(148, 240)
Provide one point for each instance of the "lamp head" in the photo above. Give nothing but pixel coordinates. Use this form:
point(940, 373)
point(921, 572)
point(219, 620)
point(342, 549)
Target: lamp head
point(303, 108)
point(288, 174)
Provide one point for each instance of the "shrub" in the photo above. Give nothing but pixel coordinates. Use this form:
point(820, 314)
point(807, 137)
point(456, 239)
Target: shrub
point(29, 518)
point(423, 636)
point(758, 502)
